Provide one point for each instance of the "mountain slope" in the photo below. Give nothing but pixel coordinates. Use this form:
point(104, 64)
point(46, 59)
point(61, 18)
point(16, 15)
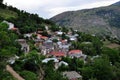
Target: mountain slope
point(101, 21)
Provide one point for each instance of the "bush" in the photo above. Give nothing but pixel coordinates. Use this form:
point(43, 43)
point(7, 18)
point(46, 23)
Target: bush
point(27, 75)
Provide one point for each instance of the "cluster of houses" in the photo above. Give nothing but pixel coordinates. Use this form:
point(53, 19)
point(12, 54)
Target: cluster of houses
point(53, 50)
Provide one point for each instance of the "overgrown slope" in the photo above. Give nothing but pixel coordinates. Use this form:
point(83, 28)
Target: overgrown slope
point(5, 13)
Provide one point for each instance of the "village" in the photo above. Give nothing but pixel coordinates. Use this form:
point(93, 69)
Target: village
point(53, 47)
point(58, 46)
point(65, 52)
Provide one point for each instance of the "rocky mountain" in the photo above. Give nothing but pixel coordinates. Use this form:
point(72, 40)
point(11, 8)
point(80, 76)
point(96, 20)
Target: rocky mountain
point(99, 21)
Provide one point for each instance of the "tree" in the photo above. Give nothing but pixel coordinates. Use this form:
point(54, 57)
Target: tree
point(54, 28)
point(97, 44)
point(8, 47)
point(64, 29)
point(87, 72)
point(112, 54)
point(63, 68)
point(88, 49)
point(116, 68)
point(102, 69)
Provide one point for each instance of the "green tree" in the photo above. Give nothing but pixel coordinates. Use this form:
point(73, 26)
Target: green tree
point(27, 75)
point(102, 69)
point(112, 54)
point(8, 46)
point(88, 49)
point(87, 72)
point(97, 45)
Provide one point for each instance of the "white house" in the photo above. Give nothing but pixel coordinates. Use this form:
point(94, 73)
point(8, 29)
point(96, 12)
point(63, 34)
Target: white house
point(50, 59)
point(11, 25)
point(62, 62)
point(59, 32)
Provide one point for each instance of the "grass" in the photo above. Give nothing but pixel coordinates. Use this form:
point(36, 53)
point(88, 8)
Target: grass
point(5, 13)
point(111, 45)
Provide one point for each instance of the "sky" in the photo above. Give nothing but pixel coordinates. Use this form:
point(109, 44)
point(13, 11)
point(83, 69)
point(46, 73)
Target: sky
point(50, 8)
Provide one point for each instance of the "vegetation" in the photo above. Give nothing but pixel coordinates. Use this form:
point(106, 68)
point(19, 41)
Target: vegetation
point(102, 62)
point(6, 52)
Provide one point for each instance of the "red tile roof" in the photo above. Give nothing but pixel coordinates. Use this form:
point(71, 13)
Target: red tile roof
point(42, 37)
point(57, 53)
point(75, 51)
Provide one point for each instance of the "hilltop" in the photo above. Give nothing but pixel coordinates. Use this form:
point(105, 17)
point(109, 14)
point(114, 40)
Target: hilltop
point(98, 21)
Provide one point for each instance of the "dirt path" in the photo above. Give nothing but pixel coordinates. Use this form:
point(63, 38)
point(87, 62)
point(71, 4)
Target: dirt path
point(13, 73)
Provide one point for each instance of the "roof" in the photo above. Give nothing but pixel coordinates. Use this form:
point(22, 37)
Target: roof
point(64, 63)
point(72, 74)
point(19, 40)
point(14, 29)
point(75, 51)
point(42, 37)
point(49, 59)
point(57, 53)
point(49, 41)
point(72, 38)
point(59, 32)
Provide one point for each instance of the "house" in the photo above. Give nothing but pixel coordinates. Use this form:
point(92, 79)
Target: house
point(50, 59)
point(72, 37)
point(64, 41)
point(47, 47)
point(38, 43)
point(57, 65)
point(44, 37)
point(39, 31)
point(39, 36)
point(59, 32)
point(72, 75)
point(24, 46)
point(75, 53)
point(64, 48)
point(11, 26)
point(21, 41)
point(57, 54)
point(62, 62)
point(28, 35)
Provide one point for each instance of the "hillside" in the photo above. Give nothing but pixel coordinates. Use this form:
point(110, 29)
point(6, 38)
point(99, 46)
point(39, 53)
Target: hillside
point(23, 20)
point(7, 13)
point(100, 21)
